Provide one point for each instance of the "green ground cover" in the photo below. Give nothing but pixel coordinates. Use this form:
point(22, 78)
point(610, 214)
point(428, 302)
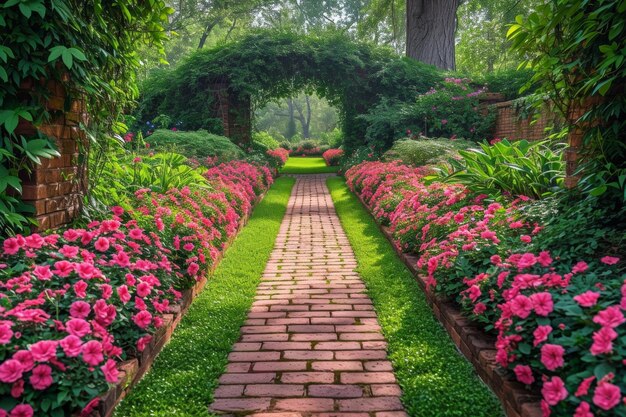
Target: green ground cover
point(184, 375)
point(436, 380)
point(307, 165)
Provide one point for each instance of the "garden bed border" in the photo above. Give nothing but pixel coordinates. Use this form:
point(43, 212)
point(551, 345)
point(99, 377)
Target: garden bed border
point(132, 370)
point(472, 341)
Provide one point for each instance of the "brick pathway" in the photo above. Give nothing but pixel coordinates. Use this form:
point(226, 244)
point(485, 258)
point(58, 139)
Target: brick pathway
point(311, 345)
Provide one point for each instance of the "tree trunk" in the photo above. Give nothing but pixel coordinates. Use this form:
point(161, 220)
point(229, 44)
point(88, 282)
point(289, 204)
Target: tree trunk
point(430, 28)
point(207, 31)
point(305, 121)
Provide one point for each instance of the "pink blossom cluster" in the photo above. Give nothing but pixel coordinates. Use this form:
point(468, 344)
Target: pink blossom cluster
point(301, 151)
point(332, 156)
point(560, 327)
point(74, 304)
point(279, 157)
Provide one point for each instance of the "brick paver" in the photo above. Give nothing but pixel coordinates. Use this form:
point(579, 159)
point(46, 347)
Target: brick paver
point(312, 345)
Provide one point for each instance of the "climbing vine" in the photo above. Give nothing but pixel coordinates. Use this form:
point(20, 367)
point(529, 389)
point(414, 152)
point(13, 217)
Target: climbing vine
point(89, 48)
point(269, 65)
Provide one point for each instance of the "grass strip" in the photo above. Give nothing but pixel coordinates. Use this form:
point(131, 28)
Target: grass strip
point(184, 375)
point(436, 380)
point(307, 165)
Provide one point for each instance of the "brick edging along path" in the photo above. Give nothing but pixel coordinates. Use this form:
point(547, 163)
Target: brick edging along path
point(312, 344)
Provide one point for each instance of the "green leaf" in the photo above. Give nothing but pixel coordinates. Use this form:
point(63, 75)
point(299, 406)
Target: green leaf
point(524, 348)
point(67, 58)
point(55, 52)
point(78, 54)
point(603, 369)
point(25, 9)
point(3, 74)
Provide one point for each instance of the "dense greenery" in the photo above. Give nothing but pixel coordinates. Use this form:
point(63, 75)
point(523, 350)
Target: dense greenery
point(185, 373)
point(435, 378)
point(268, 65)
point(578, 51)
point(87, 46)
point(199, 144)
point(424, 151)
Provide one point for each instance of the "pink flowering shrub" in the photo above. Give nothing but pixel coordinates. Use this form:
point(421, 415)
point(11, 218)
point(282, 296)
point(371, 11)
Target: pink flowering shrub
point(73, 304)
point(560, 327)
point(332, 156)
point(278, 157)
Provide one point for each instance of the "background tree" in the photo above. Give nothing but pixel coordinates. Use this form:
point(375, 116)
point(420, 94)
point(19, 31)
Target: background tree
point(430, 31)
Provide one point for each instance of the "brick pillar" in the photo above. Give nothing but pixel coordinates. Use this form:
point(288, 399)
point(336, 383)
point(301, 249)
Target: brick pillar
point(239, 120)
point(575, 137)
point(56, 187)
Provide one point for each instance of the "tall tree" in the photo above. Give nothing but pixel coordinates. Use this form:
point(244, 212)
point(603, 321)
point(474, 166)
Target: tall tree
point(430, 30)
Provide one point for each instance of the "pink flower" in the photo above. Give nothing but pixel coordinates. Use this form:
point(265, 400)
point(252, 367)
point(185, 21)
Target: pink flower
point(80, 309)
point(524, 374)
point(102, 244)
point(526, 261)
point(10, 371)
point(71, 346)
point(6, 334)
point(541, 334)
point(25, 358)
point(11, 246)
point(609, 260)
point(603, 341)
point(42, 273)
point(521, 306)
point(117, 210)
point(17, 389)
point(542, 303)
point(86, 270)
point(80, 288)
point(107, 291)
point(479, 309)
point(188, 247)
point(606, 395)
point(193, 269)
point(41, 377)
point(123, 293)
point(495, 259)
point(105, 313)
point(78, 327)
point(544, 259)
point(516, 224)
point(143, 289)
point(583, 410)
point(92, 353)
point(552, 356)
point(580, 267)
point(69, 251)
point(587, 299)
point(444, 121)
point(473, 293)
point(583, 388)
point(545, 409)
point(553, 391)
point(44, 350)
point(526, 238)
point(63, 268)
point(609, 317)
point(143, 342)
point(111, 374)
point(142, 319)
point(135, 234)
point(22, 410)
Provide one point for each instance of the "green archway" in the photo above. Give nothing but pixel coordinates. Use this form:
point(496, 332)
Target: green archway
point(215, 89)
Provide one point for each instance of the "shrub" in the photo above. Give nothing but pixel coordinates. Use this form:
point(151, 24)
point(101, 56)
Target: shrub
point(332, 156)
point(516, 168)
point(197, 144)
point(286, 145)
point(424, 151)
point(306, 148)
point(72, 302)
point(266, 139)
point(360, 155)
point(334, 138)
point(278, 157)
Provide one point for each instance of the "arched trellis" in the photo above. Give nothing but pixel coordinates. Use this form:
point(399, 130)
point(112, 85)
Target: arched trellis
point(216, 89)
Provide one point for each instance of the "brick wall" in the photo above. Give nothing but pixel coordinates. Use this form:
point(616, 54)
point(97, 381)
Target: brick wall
point(235, 112)
point(56, 187)
point(509, 124)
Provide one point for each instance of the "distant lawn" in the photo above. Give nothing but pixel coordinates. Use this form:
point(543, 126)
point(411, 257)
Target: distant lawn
point(307, 165)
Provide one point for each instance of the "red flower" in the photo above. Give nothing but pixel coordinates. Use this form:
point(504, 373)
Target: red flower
point(606, 395)
point(92, 353)
point(41, 377)
point(552, 356)
point(554, 391)
point(142, 319)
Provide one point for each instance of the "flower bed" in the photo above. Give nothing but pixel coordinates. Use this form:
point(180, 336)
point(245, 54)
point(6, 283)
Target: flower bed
point(278, 157)
point(76, 303)
point(332, 157)
point(558, 326)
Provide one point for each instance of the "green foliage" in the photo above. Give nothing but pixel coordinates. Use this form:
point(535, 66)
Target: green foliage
point(182, 387)
point(435, 379)
point(199, 145)
point(578, 51)
point(450, 110)
point(125, 173)
point(334, 138)
point(425, 151)
point(89, 47)
point(361, 154)
point(575, 228)
point(531, 169)
point(268, 65)
point(265, 139)
point(508, 82)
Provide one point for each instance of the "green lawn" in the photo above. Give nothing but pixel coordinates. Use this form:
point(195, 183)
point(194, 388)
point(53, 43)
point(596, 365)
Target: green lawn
point(436, 380)
point(307, 165)
point(184, 376)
